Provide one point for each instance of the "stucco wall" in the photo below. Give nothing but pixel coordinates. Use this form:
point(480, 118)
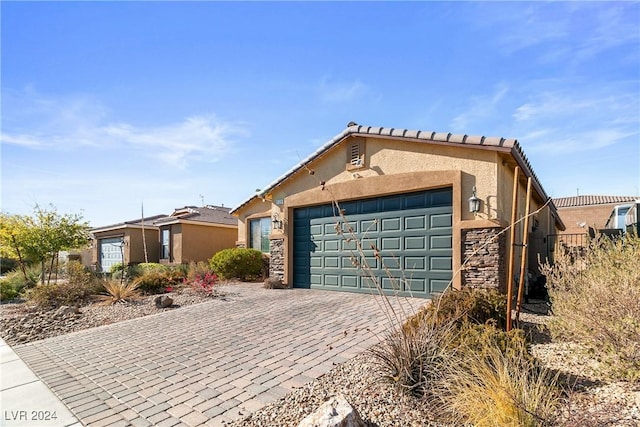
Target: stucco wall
point(201, 242)
point(136, 245)
point(595, 216)
point(391, 167)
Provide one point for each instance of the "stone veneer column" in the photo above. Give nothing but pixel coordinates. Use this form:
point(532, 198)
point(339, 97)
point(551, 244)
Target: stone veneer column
point(276, 263)
point(486, 268)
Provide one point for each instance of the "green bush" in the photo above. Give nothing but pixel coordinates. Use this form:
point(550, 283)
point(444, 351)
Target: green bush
point(15, 280)
point(8, 290)
point(466, 306)
point(237, 263)
point(159, 281)
point(596, 302)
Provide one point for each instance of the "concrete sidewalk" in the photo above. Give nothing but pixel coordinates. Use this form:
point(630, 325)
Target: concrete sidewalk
point(204, 364)
point(24, 399)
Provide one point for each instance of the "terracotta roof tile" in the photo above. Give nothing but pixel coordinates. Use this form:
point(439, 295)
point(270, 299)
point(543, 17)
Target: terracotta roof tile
point(589, 200)
point(510, 145)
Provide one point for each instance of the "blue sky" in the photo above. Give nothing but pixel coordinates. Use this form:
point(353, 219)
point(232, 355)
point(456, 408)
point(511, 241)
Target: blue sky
point(106, 105)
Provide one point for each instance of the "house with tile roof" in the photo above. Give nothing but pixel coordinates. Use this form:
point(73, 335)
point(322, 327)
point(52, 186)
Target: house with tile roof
point(195, 233)
point(188, 234)
point(397, 202)
point(579, 213)
point(124, 243)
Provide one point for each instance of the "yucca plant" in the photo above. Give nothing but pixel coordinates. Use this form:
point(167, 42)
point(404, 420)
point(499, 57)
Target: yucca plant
point(119, 292)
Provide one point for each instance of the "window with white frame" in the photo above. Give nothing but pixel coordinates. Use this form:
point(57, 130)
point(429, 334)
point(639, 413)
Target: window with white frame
point(259, 230)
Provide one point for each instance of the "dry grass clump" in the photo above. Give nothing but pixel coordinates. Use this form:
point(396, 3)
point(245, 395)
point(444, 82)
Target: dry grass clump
point(454, 355)
point(494, 388)
point(596, 302)
point(118, 291)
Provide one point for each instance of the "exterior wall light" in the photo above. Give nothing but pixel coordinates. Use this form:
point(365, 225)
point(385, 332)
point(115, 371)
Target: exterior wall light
point(277, 222)
point(474, 202)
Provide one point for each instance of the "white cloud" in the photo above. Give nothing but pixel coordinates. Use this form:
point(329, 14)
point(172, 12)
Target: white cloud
point(36, 122)
point(332, 91)
point(480, 108)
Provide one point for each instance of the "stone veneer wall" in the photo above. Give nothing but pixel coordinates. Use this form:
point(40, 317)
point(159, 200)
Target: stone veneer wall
point(487, 268)
point(276, 263)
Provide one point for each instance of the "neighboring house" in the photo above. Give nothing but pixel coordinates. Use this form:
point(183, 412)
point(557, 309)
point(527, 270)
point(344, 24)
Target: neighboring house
point(581, 212)
point(405, 193)
point(124, 243)
point(195, 233)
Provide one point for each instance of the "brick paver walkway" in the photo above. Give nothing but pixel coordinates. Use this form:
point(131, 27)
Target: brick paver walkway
point(207, 363)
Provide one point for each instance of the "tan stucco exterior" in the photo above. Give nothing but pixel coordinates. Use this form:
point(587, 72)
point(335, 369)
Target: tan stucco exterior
point(198, 241)
point(394, 166)
point(133, 249)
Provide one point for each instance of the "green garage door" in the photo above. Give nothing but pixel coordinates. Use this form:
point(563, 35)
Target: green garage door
point(411, 234)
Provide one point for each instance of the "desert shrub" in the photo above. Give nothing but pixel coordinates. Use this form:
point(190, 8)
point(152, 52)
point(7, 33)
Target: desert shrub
point(78, 289)
point(19, 282)
point(596, 302)
point(146, 267)
point(413, 360)
point(116, 291)
point(197, 270)
point(8, 290)
point(466, 306)
point(481, 339)
point(158, 282)
point(14, 283)
point(496, 388)
point(237, 263)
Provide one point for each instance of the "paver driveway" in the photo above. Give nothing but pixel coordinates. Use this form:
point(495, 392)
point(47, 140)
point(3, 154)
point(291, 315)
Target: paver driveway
point(207, 363)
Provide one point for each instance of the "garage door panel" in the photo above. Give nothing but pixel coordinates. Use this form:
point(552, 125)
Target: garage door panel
point(371, 262)
point(415, 222)
point(368, 206)
point(441, 198)
point(416, 285)
point(391, 262)
point(391, 204)
point(390, 224)
point(331, 280)
point(413, 236)
point(369, 226)
point(331, 262)
point(438, 285)
point(415, 263)
point(441, 221)
point(391, 283)
point(415, 201)
point(332, 245)
point(369, 245)
point(390, 243)
point(440, 242)
point(441, 263)
point(349, 245)
point(350, 281)
point(414, 243)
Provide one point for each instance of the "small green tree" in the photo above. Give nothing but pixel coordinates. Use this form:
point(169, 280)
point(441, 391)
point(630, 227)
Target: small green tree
point(41, 236)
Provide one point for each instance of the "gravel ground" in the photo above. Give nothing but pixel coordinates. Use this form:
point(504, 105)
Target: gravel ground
point(592, 402)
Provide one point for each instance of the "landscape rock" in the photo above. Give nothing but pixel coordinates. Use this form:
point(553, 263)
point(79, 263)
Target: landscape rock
point(272, 283)
point(335, 412)
point(66, 310)
point(163, 301)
